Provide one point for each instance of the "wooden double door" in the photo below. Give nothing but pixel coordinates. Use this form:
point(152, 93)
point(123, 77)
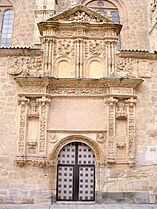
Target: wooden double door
point(76, 173)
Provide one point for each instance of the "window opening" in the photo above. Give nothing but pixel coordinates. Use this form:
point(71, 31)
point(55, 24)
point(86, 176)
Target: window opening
point(7, 28)
point(6, 23)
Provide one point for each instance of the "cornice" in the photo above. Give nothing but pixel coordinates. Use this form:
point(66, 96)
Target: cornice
point(20, 51)
point(80, 83)
point(138, 54)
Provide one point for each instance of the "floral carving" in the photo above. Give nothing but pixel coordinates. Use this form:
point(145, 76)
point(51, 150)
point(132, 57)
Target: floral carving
point(95, 48)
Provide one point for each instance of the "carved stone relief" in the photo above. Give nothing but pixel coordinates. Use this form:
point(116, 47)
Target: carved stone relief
point(64, 47)
point(78, 91)
point(26, 66)
point(21, 156)
point(52, 138)
point(83, 17)
point(32, 152)
point(33, 108)
point(101, 137)
point(125, 67)
point(15, 65)
point(121, 111)
point(95, 48)
point(111, 103)
point(134, 68)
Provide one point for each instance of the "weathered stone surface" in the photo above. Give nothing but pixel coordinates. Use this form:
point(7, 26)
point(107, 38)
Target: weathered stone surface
point(113, 111)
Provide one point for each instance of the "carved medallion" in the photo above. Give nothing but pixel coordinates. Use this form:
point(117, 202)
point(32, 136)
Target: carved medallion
point(101, 137)
point(15, 65)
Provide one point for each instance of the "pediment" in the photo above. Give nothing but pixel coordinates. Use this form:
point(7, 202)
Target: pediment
point(80, 13)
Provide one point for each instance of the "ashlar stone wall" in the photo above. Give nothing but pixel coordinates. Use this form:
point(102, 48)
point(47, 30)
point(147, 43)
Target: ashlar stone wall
point(35, 184)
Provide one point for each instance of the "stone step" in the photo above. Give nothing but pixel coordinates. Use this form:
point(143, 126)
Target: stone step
point(80, 206)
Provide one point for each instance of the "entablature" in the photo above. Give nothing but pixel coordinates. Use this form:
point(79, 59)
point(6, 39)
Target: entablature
point(106, 87)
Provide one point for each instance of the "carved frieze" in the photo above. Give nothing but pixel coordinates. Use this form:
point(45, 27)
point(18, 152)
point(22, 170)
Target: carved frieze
point(78, 91)
point(33, 86)
point(121, 91)
point(26, 66)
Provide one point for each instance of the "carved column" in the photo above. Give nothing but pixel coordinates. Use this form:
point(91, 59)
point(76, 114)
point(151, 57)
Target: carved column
point(131, 130)
point(111, 102)
point(44, 106)
point(21, 157)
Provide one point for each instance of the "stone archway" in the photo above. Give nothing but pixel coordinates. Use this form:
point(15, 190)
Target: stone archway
point(99, 158)
point(78, 138)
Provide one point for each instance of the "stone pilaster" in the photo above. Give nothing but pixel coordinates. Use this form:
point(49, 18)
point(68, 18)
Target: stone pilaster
point(21, 156)
point(131, 131)
point(111, 103)
point(44, 106)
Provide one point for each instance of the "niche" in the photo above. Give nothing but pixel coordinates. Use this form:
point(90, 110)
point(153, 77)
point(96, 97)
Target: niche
point(64, 69)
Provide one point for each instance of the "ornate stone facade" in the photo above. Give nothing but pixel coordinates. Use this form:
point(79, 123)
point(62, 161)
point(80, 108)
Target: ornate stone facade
point(75, 87)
